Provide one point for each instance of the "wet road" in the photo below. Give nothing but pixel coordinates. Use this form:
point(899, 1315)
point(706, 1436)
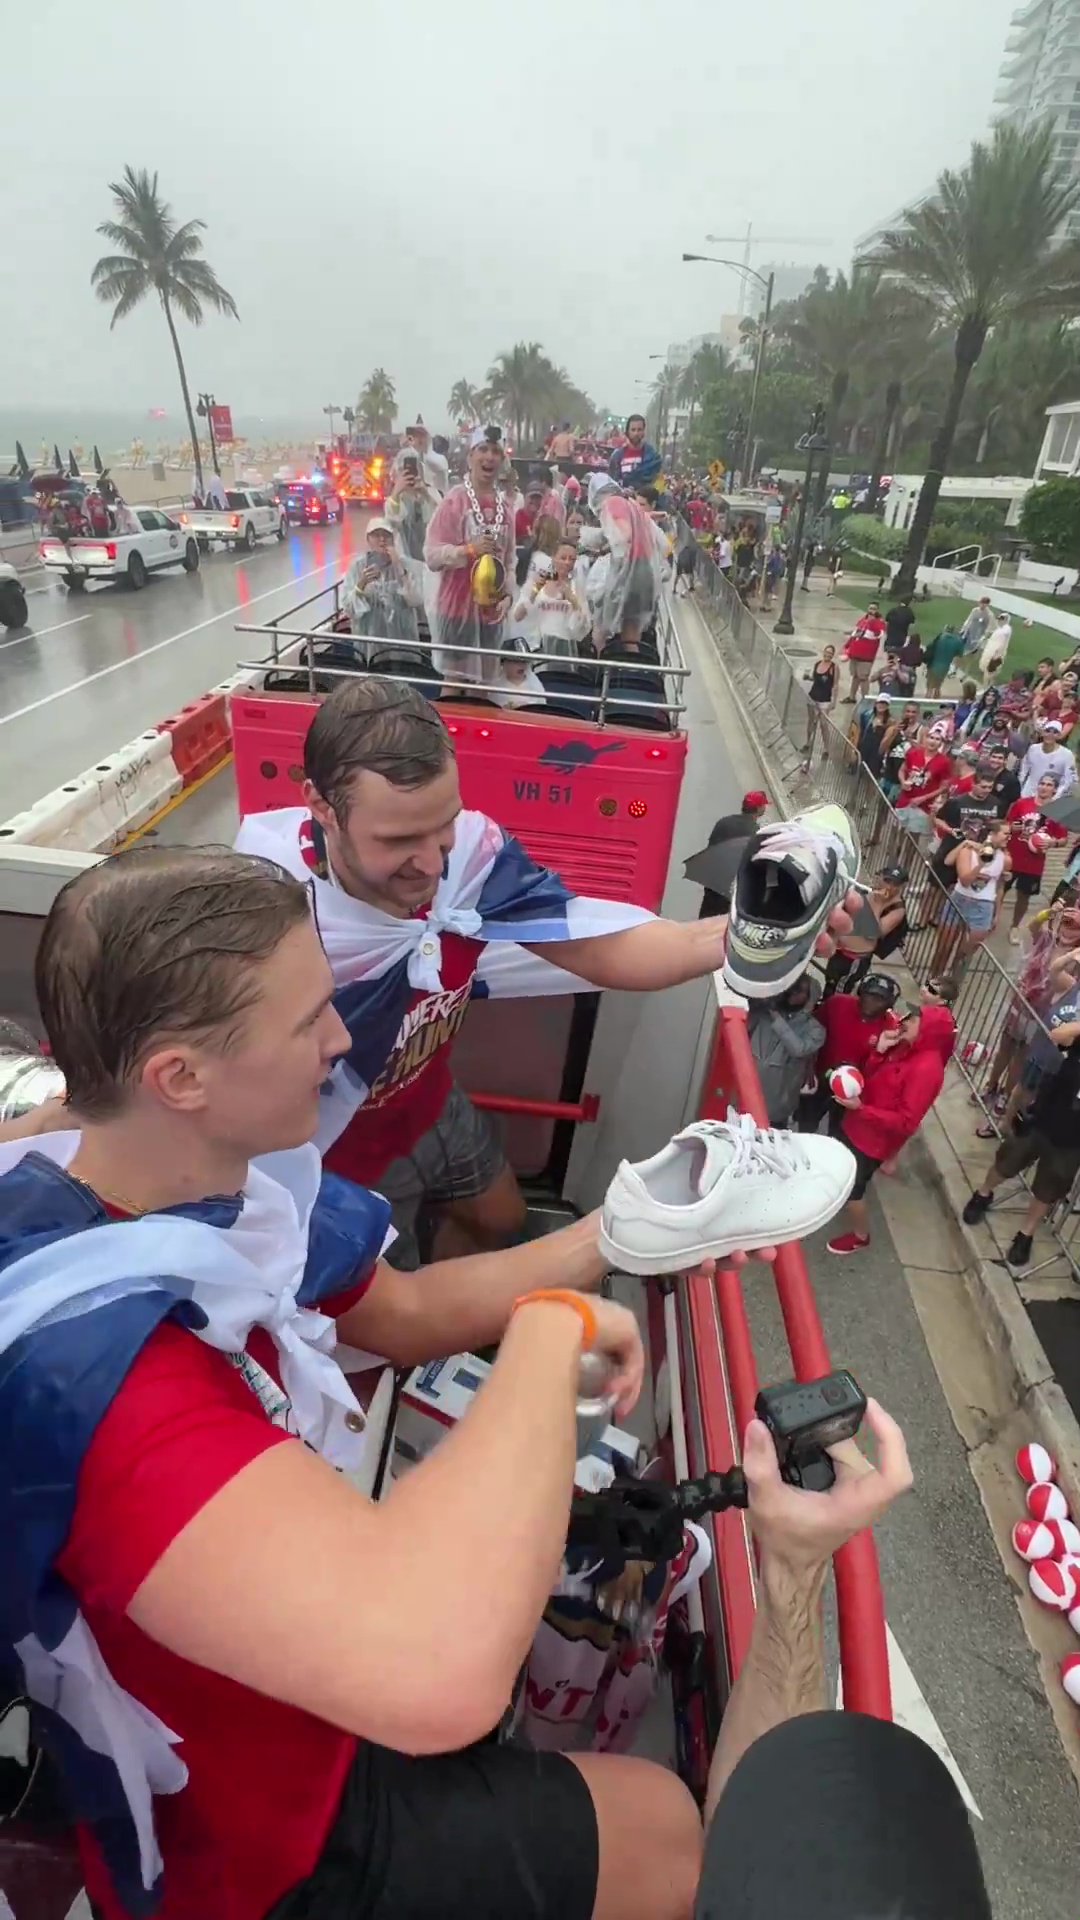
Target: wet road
point(99, 667)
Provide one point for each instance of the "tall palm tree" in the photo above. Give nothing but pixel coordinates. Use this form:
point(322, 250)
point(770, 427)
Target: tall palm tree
point(982, 251)
point(704, 368)
point(831, 329)
point(464, 401)
point(512, 385)
point(158, 257)
point(376, 406)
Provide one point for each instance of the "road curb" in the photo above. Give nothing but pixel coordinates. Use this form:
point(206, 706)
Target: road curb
point(990, 1286)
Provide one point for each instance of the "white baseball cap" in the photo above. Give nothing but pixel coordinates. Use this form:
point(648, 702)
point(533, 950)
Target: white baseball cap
point(1049, 726)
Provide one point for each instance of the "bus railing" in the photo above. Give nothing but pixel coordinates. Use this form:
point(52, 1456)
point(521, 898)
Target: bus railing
point(722, 1382)
point(599, 700)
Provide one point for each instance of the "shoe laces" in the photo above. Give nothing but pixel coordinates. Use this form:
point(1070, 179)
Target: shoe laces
point(757, 1149)
point(812, 844)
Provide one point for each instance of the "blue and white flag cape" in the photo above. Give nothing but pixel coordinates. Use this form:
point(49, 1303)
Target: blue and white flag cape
point(490, 890)
point(76, 1309)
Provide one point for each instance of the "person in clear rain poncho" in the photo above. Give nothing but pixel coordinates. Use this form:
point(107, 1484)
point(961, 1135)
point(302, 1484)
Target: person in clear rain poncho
point(626, 594)
point(470, 558)
point(410, 508)
point(381, 595)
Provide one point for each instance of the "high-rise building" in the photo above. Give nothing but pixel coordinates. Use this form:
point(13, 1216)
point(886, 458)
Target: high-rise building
point(1040, 80)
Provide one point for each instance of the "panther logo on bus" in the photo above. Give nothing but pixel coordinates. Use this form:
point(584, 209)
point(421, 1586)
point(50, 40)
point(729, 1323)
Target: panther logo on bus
point(575, 754)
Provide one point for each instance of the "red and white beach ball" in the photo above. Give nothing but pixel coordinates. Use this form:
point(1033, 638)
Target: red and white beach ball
point(846, 1083)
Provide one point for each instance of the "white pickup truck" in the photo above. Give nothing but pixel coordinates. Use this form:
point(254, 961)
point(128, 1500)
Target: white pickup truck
point(250, 515)
point(156, 541)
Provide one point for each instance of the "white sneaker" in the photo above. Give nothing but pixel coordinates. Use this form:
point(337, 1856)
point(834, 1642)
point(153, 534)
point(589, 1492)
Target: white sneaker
point(722, 1186)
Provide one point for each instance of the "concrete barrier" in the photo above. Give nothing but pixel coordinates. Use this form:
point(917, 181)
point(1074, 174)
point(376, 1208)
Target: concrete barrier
point(106, 804)
point(200, 736)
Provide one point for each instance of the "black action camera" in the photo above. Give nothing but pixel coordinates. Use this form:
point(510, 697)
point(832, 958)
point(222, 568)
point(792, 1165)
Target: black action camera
point(806, 1416)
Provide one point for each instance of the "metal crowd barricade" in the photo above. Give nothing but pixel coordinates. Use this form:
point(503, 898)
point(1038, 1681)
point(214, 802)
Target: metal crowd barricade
point(990, 1008)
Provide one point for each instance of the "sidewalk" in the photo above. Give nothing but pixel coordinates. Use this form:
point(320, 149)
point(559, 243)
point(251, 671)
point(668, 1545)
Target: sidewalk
point(980, 1656)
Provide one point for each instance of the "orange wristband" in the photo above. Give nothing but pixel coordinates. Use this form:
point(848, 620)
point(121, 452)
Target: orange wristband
point(562, 1297)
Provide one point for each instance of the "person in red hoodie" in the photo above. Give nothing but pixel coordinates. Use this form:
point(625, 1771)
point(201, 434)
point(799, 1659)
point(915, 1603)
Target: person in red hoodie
point(852, 1023)
point(903, 1077)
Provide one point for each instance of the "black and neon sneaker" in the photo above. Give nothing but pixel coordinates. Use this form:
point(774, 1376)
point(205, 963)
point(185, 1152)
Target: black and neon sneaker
point(791, 876)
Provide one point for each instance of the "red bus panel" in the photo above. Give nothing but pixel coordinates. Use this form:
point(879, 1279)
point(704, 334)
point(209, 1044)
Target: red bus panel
point(597, 804)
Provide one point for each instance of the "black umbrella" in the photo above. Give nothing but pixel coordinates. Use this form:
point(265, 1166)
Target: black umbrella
point(23, 462)
point(57, 462)
point(98, 461)
point(1066, 810)
point(715, 867)
point(73, 466)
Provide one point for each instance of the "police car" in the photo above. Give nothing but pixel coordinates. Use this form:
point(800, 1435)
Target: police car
point(310, 502)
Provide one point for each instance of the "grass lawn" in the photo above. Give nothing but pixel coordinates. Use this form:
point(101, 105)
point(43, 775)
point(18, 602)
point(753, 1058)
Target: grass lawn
point(1029, 643)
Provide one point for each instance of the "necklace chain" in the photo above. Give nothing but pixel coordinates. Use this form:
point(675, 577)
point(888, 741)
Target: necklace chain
point(495, 527)
point(109, 1196)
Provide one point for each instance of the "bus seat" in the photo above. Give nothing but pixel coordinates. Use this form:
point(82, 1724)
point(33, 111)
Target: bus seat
point(633, 698)
point(403, 660)
point(567, 680)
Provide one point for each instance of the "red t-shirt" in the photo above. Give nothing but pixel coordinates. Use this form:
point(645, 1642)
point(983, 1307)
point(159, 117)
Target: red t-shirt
point(413, 1087)
point(1025, 819)
point(849, 1039)
point(932, 771)
point(265, 1779)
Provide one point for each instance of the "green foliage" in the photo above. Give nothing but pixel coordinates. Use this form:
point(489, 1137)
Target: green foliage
point(1050, 519)
point(527, 392)
point(156, 257)
point(980, 253)
point(376, 407)
point(873, 536)
point(786, 397)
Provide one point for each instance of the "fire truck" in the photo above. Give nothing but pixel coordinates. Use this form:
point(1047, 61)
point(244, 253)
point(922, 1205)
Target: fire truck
point(361, 473)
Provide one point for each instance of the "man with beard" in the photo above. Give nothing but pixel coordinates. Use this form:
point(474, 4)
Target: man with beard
point(467, 604)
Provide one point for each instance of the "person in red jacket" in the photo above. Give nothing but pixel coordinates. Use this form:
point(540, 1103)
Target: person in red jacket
point(852, 1023)
point(903, 1077)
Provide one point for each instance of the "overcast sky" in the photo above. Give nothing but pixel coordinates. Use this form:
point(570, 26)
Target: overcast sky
point(417, 185)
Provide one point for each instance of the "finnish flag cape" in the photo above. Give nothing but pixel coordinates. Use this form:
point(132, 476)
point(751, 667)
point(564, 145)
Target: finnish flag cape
point(490, 891)
point(76, 1309)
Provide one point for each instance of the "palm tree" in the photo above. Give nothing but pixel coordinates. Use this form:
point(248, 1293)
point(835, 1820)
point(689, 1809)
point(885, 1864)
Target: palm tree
point(980, 252)
point(376, 407)
point(830, 329)
point(512, 384)
point(156, 256)
point(704, 368)
point(464, 401)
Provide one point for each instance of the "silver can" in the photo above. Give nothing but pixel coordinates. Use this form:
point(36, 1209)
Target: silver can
point(594, 1406)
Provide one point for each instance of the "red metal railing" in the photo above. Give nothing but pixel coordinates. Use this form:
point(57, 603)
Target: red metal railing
point(726, 1386)
point(586, 1108)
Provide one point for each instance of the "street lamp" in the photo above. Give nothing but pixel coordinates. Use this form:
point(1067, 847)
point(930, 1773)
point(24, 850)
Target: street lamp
point(737, 266)
point(205, 411)
point(331, 413)
point(814, 440)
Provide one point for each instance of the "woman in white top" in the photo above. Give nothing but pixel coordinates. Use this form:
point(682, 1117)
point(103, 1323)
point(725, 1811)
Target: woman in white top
point(982, 865)
point(551, 610)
